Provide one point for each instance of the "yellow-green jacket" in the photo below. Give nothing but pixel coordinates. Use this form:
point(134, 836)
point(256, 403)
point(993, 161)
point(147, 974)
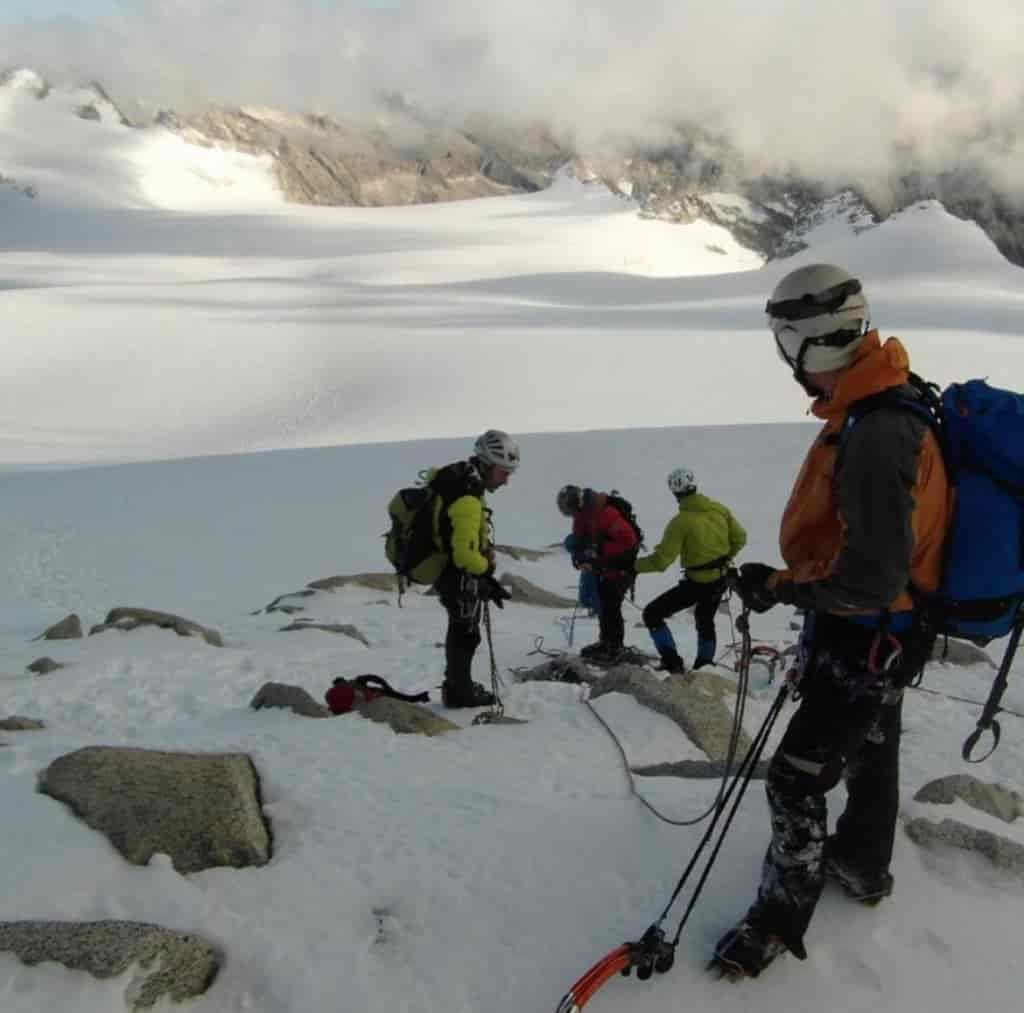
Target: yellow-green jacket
point(702, 531)
point(461, 520)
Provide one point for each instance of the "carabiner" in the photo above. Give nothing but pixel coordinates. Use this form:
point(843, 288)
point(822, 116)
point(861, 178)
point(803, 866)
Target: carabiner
point(895, 649)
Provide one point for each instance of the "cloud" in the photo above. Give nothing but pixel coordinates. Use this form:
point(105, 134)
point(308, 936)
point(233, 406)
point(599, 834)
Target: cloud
point(833, 89)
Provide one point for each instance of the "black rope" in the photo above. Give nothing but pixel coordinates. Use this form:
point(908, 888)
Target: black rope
point(736, 732)
point(632, 782)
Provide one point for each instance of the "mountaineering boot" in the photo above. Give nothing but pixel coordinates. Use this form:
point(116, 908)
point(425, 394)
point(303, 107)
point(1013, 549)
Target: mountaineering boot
point(472, 694)
point(863, 885)
point(602, 653)
point(705, 653)
point(671, 662)
point(458, 688)
point(745, 951)
point(665, 645)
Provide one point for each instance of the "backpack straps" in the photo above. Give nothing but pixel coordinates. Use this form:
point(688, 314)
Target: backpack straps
point(378, 684)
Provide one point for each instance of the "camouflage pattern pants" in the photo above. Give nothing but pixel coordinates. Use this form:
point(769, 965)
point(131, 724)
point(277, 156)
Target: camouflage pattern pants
point(847, 726)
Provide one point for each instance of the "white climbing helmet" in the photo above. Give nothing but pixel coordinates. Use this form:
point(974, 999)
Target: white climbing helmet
point(818, 314)
point(682, 482)
point(497, 448)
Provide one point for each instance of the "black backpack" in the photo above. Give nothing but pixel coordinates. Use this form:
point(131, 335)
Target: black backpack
point(626, 509)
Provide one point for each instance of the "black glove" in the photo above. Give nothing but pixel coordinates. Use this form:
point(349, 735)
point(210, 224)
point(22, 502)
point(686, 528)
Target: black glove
point(491, 590)
point(753, 587)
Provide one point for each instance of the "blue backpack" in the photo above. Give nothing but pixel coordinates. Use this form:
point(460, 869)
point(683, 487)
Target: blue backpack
point(980, 430)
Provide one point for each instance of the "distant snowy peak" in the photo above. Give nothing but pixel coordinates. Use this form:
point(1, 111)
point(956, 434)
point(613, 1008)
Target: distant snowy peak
point(401, 156)
point(21, 79)
point(89, 101)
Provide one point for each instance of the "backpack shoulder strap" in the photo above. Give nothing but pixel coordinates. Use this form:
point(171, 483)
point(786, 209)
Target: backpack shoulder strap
point(456, 480)
point(924, 402)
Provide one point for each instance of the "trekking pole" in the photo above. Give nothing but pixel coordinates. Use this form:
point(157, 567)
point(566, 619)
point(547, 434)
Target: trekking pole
point(987, 721)
point(572, 621)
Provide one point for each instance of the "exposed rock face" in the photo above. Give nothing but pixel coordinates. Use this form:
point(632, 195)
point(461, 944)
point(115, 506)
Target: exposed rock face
point(288, 603)
point(374, 581)
point(528, 593)
point(518, 552)
point(406, 718)
point(1003, 803)
point(44, 666)
point(698, 769)
point(345, 629)
point(319, 160)
point(132, 618)
point(179, 966)
point(293, 698)
point(960, 652)
point(15, 723)
point(695, 701)
point(201, 809)
point(404, 155)
point(1001, 852)
point(69, 628)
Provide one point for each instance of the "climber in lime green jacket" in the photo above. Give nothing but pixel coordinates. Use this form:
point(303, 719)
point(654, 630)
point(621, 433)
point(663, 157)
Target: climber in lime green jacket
point(704, 536)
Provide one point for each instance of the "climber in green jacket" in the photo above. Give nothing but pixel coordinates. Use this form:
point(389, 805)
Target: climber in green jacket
point(704, 536)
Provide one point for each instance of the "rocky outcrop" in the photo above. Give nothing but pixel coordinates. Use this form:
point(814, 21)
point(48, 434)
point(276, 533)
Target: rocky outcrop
point(69, 628)
point(15, 723)
point(321, 160)
point(525, 592)
point(345, 629)
point(695, 701)
point(293, 698)
point(173, 964)
point(697, 769)
point(1001, 852)
point(203, 810)
point(519, 553)
point(374, 581)
point(288, 603)
point(995, 800)
point(133, 618)
point(960, 652)
point(405, 718)
point(44, 666)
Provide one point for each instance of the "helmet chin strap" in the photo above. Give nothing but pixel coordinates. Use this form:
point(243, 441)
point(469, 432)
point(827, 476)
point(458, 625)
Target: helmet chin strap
point(809, 389)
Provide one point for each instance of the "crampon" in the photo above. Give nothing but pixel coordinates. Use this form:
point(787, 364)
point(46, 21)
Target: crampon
point(649, 954)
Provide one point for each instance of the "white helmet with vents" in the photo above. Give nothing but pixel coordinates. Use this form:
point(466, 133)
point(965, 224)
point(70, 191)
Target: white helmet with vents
point(682, 482)
point(497, 448)
point(818, 314)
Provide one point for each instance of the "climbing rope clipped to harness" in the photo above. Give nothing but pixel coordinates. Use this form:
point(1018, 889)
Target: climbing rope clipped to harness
point(653, 951)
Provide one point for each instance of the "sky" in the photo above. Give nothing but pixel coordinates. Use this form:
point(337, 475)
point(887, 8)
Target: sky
point(87, 9)
point(165, 312)
point(866, 91)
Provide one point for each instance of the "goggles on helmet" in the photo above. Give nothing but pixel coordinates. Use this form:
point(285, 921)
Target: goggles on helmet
point(814, 304)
